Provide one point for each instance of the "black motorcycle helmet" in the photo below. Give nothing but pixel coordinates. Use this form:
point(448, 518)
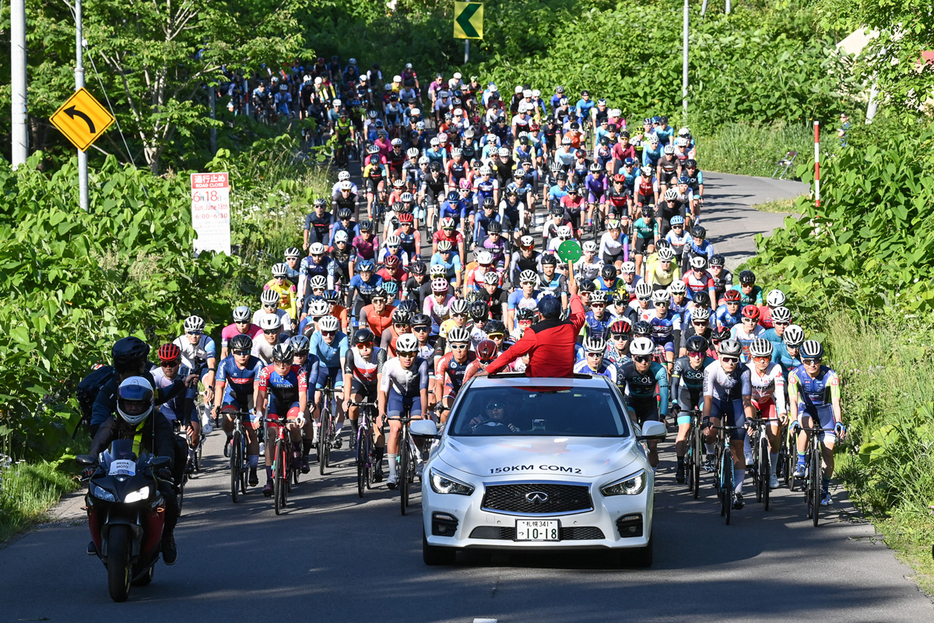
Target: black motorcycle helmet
point(129, 353)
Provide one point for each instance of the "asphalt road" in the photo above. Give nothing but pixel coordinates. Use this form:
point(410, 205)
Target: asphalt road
point(335, 557)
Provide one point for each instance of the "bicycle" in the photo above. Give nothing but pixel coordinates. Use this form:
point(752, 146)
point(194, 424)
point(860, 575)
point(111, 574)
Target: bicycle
point(762, 467)
point(325, 430)
point(282, 464)
point(814, 471)
point(693, 458)
point(363, 449)
point(724, 482)
point(239, 462)
point(408, 454)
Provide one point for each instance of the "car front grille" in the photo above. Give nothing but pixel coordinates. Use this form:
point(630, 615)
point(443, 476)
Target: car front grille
point(537, 499)
point(576, 533)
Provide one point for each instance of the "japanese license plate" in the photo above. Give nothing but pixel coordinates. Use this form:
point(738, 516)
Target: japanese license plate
point(537, 530)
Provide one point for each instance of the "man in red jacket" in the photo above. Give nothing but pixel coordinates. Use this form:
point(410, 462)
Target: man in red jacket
point(550, 343)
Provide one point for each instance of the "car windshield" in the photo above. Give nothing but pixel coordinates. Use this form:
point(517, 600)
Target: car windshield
point(502, 410)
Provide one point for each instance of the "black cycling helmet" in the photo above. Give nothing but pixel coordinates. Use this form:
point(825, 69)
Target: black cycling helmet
point(489, 203)
point(479, 311)
point(702, 298)
point(642, 328)
point(128, 353)
point(495, 327)
point(494, 227)
point(720, 334)
point(608, 272)
point(418, 268)
point(747, 277)
point(421, 320)
point(363, 336)
point(241, 342)
point(344, 213)
point(696, 344)
point(699, 232)
point(549, 259)
point(690, 163)
point(587, 285)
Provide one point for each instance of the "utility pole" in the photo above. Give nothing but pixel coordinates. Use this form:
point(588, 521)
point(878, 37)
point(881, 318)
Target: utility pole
point(20, 147)
point(466, 51)
point(79, 83)
point(684, 68)
point(728, 6)
point(212, 91)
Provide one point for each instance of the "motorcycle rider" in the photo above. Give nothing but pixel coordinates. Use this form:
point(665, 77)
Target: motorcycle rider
point(135, 402)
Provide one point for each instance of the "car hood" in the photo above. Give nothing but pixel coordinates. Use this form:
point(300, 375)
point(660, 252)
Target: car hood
point(583, 457)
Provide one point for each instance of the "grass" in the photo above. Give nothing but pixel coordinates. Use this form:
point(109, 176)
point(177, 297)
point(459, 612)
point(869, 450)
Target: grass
point(887, 463)
point(779, 206)
point(27, 492)
point(751, 149)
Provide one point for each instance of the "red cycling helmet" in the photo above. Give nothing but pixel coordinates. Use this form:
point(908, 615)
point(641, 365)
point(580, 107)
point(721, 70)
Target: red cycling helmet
point(619, 178)
point(392, 261)
point(406, 217)
point(751, 311)
point(169, 352)
point(486, 351)
point(731, 296)
point(620, 326)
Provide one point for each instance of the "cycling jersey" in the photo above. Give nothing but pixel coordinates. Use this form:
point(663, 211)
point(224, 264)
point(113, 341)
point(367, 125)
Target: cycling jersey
point(195, 356)
point(768, 387)
point(231, 331)
point(662, 329)
point(283, 391)
point(406, 382)
point(739, 333)
point(287, 296)
point(364, 371)
point(597, 327)
point(451, 372)
point(376, 321)
point(814, 392)
point(753, 298)
point(330, 355)
point(727, 320)
point(607, 370)
point(726, 387)
point(239, 382)
point(641, 388)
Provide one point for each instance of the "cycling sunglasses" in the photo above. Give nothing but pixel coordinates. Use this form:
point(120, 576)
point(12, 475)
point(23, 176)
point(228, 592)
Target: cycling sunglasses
point(641, 358)
point(811, 362)
point(171, 364)
point(620, 336)
point(194, 332)
point(729, 359)
point(421, 329)
point(595, 354)
point(364, 345)
point(458, 346)
point(241, 353)
point(693, 354)
point(329, 333)
point(409, 354)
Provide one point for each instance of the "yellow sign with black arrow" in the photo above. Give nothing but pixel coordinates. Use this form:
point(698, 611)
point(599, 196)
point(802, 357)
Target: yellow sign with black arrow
point(82, 119)
point(468, 20)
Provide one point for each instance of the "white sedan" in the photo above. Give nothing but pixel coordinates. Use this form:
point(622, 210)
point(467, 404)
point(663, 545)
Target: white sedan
point(535, 463)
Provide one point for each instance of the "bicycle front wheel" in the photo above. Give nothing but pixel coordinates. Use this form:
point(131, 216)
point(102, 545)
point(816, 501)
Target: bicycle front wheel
point(698, 444)
point(363, 458)
point(728, 483)
point(765, 470)
point(404, 469)
point(324, 430)
point(278, 475)
point(235, 463)
point(815, 479)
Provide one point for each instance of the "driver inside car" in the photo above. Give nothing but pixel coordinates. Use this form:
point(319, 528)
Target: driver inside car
point(494, 415)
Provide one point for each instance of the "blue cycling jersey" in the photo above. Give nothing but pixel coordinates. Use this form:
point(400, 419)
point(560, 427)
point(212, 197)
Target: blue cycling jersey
point(239, 380)
point(329, 355)
point(726, 319)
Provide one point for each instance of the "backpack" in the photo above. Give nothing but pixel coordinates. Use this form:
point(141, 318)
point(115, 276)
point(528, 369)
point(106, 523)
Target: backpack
point(88, 389)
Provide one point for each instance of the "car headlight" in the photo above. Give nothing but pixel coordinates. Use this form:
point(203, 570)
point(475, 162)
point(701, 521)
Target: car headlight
point(630, 485)
point(138, 495)
point(442, 483)
point(102, 494)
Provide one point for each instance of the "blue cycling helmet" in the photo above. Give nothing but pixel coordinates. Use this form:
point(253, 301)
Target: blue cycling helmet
point(677, 220)
point(365, 266)
point(453, 196)
point(378, 123)
point(549, 307)
point(684, 179)
point(629, 162)
point(390, 287)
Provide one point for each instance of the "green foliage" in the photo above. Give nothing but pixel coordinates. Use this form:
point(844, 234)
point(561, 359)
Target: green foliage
point(753, 149)
point(75, 281)
point(871, 242)
point(27, 491)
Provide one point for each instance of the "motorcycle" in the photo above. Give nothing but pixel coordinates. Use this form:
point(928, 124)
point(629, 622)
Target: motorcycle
point(126, 514)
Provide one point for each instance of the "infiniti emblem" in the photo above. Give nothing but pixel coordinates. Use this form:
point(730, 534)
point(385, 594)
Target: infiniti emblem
point(537, 497)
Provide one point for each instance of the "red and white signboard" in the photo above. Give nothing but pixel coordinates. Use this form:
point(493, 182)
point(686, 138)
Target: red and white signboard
point(210, 211)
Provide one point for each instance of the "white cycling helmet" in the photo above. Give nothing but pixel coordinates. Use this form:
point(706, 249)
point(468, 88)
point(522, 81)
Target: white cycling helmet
point(643, 291)
point(317, 249)
point(641, 346)
point(699, 262)
point(343, 175)
point(242, 314)
point(760, 347)
point(678, 287)
point(595, 345)
point(484, 258)
point(781, 314)
point(671, 194)
point(665, 254)
point(793, 336)
point(329, 323)
point(318, 308)
point(440, 284)
point(700, 313)
point(458, 335)
point(270, 322)
point(528, 276)
point(460, 306)
point(660, 296)
point(775, 298)
point(628, 268)
point(341, 236)
point(437, 270)
point(318, 282)
point(280, 270)
point(407, 343)
point(590, 246)
point(491, 278)
point(194, 324)
point(269, 297)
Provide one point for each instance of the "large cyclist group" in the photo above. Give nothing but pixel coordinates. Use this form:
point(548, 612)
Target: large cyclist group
point(414, 277)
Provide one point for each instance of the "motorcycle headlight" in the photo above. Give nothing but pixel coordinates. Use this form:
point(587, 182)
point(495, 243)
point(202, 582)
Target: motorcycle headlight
point(138, 495)
point(442, 483)
point(102, 494)
point(630, 485)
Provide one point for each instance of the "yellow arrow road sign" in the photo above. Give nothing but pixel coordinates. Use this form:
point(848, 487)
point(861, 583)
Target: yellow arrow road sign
point(82, 119)
point(468, 20)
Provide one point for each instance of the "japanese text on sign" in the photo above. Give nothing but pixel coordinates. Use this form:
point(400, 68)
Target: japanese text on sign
point(210, 211)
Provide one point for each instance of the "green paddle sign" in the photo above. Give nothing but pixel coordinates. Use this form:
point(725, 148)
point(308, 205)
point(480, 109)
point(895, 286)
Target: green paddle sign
point(570, 251)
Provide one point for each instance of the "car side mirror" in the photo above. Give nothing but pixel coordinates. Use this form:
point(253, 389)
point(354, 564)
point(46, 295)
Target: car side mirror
point(653, 430)
point(423, 428)
point(85, 460)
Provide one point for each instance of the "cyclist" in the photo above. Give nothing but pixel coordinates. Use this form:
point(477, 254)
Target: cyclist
point(646, 235)
point(366, 244)
point(597, 320)
point(699, 324)
point(814, 393)
point(309, 363)
point(282, 390)
point(699, 279)
point(316, 264)
point(447, 231)
point(198, 355)
point(729, 313)
point(403, 388)
point(661, 270)
point(589, 266)
point(377, 316)
point(722, 278)
point(728, 396)
point(768, 397)
point(450, 369)
point(593, 362)
point(642, 377)
point(362, 365)
point(687, 390)
point(401, 324)
point(788, 351)
point(664, 323)
point(293, 257)
point(679, 241)
point(495, 298)
point(748, 331)
point(273, 334)
point(775, 298)
point(329, 345)
point(458, 314)
point(551, 282)
point(241, 325)
point(287, 292)
point(614, 245)
point(449, 261)
point(237, 375)
point(750, 293)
